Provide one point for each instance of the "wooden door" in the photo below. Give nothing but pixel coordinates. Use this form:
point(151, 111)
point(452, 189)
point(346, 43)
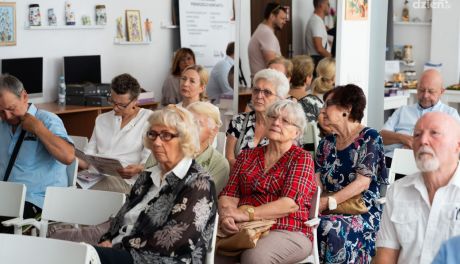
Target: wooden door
point(284, 35)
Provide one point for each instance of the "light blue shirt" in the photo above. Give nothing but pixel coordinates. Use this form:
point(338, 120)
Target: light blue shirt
point(404, 118)
point(218, 81)
point(449, 252)
point(35, 166)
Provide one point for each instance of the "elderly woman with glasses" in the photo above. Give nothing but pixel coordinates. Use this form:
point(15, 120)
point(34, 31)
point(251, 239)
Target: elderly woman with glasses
point(247, 130)
point(275, 181)
point(118, 134)
point(350, 162)
point(170, 213)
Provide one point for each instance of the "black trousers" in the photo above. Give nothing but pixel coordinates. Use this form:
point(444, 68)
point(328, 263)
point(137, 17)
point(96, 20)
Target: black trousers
point(30, 211)
point(114, 255)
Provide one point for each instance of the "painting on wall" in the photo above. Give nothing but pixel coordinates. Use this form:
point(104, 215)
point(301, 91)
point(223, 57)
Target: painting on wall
point(133, 25)
point(356, 10)
point(7, 24)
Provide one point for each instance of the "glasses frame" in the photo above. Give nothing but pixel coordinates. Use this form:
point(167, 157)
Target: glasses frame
point(119, 106)
point(165, 136)
point(284, 121)
point(265, 92)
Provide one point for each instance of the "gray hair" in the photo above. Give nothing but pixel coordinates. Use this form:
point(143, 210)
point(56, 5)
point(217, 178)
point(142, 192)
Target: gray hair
point(209, 110)
point(11, 84)
point(183, 122)
point(279, 81)
point(294, 113)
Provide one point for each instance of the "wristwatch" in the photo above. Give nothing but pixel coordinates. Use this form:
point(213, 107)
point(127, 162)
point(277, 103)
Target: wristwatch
point(250, 211)
point(332, 203)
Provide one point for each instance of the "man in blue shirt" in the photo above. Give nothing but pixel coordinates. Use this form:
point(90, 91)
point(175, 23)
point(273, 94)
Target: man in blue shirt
point(218, 81)
point(46, 148)
point(397, 131)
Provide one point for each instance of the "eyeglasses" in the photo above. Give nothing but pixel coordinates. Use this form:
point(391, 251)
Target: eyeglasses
point(120, 106)
point(165, 136)
point(284, 121)
point(429, 91)
point(265, 92)
point(328, 103)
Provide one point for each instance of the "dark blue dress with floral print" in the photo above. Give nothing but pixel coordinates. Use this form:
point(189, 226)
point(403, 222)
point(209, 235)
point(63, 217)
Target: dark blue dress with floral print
point(351, 238)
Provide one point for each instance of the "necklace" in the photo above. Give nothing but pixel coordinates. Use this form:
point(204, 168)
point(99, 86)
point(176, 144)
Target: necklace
point(341, 143)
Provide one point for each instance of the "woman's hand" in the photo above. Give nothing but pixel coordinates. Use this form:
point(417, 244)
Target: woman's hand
point(130, 171)
point(323, 203)
point(228, 226)
point(236, 214)
point(106, 243)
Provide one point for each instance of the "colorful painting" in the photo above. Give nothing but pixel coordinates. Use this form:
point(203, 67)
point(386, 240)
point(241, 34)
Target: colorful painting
point(356, 10)
point(133, 25)
point(7, 24)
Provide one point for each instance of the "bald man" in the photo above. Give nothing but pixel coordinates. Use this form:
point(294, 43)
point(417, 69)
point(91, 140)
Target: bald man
point(397, 131)
point(423, 209)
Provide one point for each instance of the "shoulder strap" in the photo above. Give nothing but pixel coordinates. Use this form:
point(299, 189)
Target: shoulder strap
point(242, 133)
point(17, 146)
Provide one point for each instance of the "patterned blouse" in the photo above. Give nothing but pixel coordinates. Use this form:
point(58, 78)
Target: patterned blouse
point(235, 128)
point(177, 225)
point(311, 105)
point(292, 176)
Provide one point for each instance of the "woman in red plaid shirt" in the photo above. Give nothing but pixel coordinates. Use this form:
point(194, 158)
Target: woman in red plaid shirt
point(273, 182)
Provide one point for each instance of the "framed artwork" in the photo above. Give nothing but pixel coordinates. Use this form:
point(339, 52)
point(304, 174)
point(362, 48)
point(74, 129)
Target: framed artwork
point(134, 25)
point(7, 24)
point(356, 10)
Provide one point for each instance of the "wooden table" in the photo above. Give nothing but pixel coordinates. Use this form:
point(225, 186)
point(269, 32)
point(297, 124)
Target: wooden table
point(244, 97)
point(79, 120)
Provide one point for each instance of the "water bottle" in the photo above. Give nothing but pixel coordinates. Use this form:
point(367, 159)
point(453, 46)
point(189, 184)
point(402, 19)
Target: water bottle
point(61, 95)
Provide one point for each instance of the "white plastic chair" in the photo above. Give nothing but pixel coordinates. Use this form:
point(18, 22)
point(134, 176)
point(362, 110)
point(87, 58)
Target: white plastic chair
point(72, 172)
point(75, 206)
point(221, 142)
point(403, 163)
point(313, 223)
point(79, 142)
point(37, 250)
point(12, 199)
point(311, 135)
point(212, 249)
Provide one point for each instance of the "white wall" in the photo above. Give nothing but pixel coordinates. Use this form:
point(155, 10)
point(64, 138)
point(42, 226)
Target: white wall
point(245, 36)
point(148, 63)
point(301, 13)
point(445, 41)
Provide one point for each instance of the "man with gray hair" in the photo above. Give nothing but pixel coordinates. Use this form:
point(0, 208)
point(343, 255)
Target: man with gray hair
point(35, 147)
point(423, 209)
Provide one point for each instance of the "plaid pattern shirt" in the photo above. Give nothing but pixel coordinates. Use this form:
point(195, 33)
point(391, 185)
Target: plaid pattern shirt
point(292, 176)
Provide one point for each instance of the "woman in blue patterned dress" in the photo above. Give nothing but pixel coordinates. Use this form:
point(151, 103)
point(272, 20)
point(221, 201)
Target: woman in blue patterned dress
point(349, 162)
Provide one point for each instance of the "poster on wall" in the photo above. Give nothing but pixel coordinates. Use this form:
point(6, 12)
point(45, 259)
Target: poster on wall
point(7, 24)
point(206, 27)
point(356, 10)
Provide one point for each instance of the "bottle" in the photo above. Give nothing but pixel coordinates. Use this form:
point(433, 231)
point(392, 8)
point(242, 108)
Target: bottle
point(61, 95)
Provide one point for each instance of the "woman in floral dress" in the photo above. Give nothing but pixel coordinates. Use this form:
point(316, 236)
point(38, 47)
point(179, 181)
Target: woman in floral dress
point(171, 210)
point(349, 162)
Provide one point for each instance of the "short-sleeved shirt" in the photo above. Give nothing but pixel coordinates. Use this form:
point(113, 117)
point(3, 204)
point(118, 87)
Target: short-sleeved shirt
point(170, 92)
point(263, 39)
point(315, 28)
point(34, 166)
point(291, 176)
point(218, 81)
point(235, 128)
point(404, 118)
point(415, 227)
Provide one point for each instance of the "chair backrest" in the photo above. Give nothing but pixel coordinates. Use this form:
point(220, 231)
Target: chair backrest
point(311, 137)
point(78, 206)
point(79, 142)
point(38, 250)
point(212, 250)
point(221, 141)
point(12, 198)
point(403, 163)
point(72, 172)
point(314, 208)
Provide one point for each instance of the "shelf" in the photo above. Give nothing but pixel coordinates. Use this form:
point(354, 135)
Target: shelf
point(124, 42)
point(422, 24)
point(168, 26)
point(62, 27)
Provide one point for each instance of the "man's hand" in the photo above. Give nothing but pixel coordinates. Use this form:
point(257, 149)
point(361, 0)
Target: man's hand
point(30, 123)
point(406, 140)
point(130, 171)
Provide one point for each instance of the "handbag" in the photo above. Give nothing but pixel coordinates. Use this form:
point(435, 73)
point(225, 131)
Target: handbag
point(353, 206)
point(248, 235)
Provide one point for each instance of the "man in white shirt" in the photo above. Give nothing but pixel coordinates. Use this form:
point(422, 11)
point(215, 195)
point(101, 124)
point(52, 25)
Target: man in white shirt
point(264, 45)
point(316, 34)
point(422, 210)
point(397, 131)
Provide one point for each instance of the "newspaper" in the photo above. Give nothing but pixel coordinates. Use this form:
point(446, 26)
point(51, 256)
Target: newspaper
point(103, 165)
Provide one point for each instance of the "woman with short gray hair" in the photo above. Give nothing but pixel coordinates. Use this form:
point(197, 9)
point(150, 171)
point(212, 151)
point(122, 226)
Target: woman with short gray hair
point(246, 130)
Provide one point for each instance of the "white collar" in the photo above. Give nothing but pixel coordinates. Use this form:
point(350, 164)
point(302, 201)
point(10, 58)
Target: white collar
point(180, 170)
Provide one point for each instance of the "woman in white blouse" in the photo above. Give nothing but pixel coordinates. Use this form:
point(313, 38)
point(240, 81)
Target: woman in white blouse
point(118, 134)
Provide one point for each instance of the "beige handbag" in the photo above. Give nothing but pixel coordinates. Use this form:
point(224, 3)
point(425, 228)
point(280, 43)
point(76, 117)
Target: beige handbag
point(353, 206)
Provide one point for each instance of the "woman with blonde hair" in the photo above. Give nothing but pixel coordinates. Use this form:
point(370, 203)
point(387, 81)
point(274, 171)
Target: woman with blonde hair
point(325, 80)
point(281, 64)
point(193, 85)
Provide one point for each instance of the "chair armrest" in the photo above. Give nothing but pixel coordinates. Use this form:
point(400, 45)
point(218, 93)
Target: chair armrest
point(19, 222)
point(312, 222)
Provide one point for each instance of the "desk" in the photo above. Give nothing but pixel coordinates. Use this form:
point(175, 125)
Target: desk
point(79, 120)
point(244, 97)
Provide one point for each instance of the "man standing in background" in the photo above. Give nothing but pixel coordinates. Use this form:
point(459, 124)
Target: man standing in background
point(316, 34)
